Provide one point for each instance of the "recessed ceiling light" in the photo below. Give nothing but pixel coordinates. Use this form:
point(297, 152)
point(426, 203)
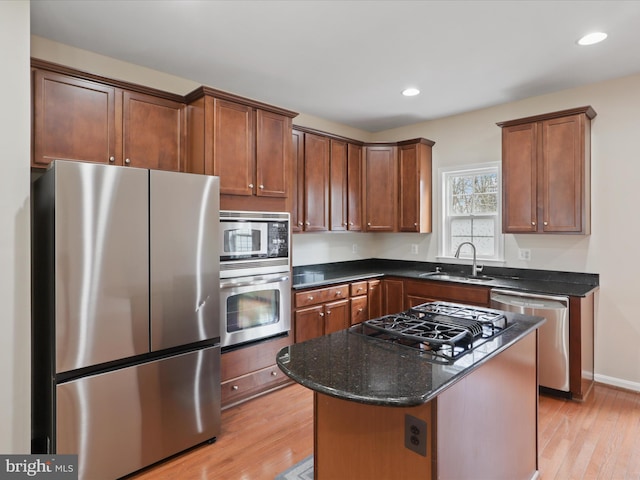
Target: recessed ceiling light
point(592, 38)
point(410, 92)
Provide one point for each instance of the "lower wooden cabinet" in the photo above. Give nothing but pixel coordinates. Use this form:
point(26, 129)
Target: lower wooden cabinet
point(321, 311)
point(393, 295)
point(250, 371)
point(359, 310)
point(421, 291)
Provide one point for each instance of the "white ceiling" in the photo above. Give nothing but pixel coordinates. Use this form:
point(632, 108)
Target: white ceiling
point(348, 61)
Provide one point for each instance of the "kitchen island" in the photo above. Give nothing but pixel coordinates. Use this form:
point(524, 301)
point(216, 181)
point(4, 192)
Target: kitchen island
point(385, 410)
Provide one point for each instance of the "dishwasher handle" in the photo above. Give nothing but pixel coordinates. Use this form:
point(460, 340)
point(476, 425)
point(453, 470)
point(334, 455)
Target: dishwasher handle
point(528, 300)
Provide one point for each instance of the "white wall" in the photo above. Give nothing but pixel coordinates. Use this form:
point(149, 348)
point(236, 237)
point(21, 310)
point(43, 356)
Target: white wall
point(15, 292)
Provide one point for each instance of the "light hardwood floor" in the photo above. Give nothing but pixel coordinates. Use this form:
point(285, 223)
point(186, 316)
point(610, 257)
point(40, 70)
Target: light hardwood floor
point(597, 439)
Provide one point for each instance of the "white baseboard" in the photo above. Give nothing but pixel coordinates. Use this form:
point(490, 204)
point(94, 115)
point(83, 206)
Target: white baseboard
point(617, 382)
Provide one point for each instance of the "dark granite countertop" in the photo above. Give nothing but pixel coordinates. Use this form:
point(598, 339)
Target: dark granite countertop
point(529, 280)
point(354, 367)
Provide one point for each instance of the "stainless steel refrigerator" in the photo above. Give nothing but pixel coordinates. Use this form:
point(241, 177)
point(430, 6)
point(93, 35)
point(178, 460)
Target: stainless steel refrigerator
point(126, 330)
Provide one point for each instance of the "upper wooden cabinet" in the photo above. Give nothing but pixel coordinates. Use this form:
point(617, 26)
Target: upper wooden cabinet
point(316, 182)
point(79, 116)
point(415, 200)
point(246, 143)
point(338, 194)
point(297, 182)
point(546, 173)
point(380, 173)
point(354, 187)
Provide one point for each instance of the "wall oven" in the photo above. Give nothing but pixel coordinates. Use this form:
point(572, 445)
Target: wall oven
point(255, 280)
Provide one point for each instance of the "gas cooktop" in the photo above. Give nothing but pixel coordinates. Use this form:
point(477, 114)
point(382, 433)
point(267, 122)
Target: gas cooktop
point(444, 330)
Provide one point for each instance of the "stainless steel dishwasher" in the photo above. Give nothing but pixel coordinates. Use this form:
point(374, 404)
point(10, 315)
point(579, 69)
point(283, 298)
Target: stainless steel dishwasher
point(553, 336)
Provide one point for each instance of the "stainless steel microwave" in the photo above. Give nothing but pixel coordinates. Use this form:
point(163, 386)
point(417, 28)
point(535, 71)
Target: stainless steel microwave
point(254, 243)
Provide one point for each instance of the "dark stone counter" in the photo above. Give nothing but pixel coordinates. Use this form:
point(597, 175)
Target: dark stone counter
point(354, 367)
point(533, 281)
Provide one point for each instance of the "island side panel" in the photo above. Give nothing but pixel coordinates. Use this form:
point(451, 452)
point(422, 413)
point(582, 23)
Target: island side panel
point(356, 441)
point(487, 424)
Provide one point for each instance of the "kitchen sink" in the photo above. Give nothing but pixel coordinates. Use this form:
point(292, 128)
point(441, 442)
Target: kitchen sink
point(456, 278)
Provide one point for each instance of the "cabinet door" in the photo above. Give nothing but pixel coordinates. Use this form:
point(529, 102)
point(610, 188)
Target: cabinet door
point(154, 132)
point(414, 209)
point(338, 185)
point(316, 183)
point(297, 186)
point(233, 158)
point(519, 178)
point(380, 173)
point(72, 119)
point(563, 174)
point(309, 323)
point(354, 187)
point(392, 296)
point(375, 299)
point(336, 316)
point(273, 153)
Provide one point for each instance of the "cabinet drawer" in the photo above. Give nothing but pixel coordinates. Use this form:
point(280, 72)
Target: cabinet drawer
point(358, 288)
point(359, 311)
point(251, 358)
point(322, 295)
point(251, 384)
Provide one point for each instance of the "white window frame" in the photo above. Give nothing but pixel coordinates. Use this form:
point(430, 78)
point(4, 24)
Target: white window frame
point(445, 219)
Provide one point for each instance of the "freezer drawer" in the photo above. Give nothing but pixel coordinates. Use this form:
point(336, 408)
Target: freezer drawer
point(124, 420)
point(553, 335)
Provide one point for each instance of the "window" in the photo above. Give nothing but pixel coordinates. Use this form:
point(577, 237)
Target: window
point(471, 211)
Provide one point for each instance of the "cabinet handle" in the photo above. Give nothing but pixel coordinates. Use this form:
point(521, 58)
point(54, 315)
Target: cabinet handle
point(261, 187)
point(127, 161)
point(274, 374)
point(321, 314)
point(338, 293)
point(415, 224)
point(112, 159)
point(360, 310)
point(351, 224)
point(328, 312)
point(368, 224)
point(533, 223)
point(235, 387)
point(546, 223)
point(307, 223)
point(300, 224)
point(251, 185)
point(310, 298)
point(344, 224)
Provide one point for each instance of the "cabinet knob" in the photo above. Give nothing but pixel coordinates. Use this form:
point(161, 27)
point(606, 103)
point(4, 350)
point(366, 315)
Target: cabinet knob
point(274, 374)
point(127, 161)
point(360, 310)
point(235, 387)
point(351, 224)
point(321, 314)
point(546, 223)
point(328, 312)
point(261, 187)
point(251, 185)
point(112, 159)
point(368, 224)
point(307, 223)
point(299, 224)
point(415, 224)
point(310, 298)
point(338, 293)
point(344, 224)
point(533, 223)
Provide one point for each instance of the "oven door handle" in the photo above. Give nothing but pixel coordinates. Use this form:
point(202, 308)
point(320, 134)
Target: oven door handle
point(254, 281)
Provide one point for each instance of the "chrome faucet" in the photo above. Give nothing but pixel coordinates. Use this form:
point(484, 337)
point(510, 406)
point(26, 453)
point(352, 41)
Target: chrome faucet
point(474, 267)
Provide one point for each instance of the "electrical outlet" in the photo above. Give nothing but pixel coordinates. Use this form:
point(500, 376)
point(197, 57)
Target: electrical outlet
point(354, 248)
point(414, 248)
point(524, 254)
point(415, 434)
